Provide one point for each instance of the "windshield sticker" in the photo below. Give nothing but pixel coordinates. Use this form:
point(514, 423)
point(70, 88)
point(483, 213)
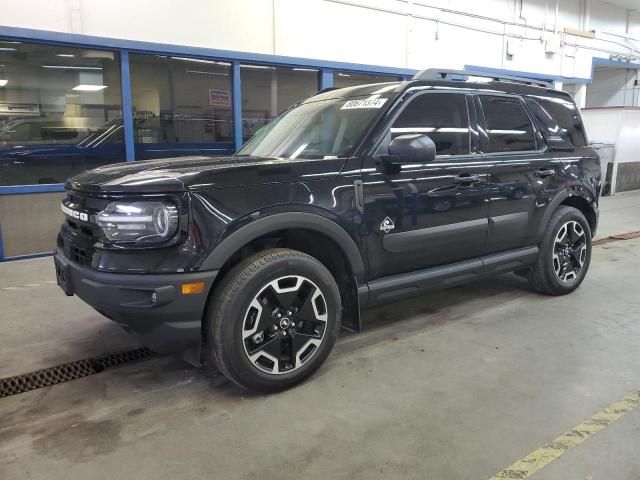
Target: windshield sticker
point(372, 102)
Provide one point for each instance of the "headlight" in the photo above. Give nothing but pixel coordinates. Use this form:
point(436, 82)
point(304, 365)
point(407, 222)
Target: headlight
point(139, 222)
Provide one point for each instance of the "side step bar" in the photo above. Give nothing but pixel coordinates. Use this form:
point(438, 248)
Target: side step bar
point(415, 283)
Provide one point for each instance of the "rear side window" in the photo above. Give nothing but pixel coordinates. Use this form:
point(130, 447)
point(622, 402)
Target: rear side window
point(441, 116)
point(508, 125)
point(558, 117)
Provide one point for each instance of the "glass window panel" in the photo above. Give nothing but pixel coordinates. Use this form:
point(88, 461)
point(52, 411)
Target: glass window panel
point(508, 125)
point(268, 91)
point(181, 106)
point(60, 112)
point(442, 117)
point(559, 117)
point(351, 79)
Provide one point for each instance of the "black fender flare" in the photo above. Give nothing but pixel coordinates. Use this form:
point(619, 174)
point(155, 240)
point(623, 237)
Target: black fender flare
point(281, 221)
point(552, 207)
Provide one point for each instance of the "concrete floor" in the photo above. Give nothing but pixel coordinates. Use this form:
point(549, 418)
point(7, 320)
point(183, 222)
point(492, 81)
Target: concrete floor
point(454, 385)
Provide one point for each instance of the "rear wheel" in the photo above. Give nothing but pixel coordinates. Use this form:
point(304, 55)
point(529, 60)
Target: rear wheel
point(565, 253)
point(274, 320)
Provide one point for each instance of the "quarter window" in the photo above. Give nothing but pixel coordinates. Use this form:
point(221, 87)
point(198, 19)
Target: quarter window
point(442, 117)
point(508, 125)
point(559, 117)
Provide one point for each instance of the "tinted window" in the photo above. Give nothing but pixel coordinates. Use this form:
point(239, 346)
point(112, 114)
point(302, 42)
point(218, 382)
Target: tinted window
point(443, 117)
point(351, 79)
point(181, 105)
point(268, 91)
point(508, 125)
point(51, 98)
point(559, 117)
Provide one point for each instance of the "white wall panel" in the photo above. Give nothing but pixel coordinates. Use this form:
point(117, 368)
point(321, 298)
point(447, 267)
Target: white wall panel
point(313, 28)
point(379, 32)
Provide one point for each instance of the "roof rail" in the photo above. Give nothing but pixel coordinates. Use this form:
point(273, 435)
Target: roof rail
point(443, 74)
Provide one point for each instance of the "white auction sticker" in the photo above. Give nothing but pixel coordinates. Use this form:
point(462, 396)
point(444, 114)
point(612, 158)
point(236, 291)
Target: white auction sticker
point(374, 101)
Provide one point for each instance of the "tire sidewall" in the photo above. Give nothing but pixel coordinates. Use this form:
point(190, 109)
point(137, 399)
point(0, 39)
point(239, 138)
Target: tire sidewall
point(229, 329)
point(566, 215)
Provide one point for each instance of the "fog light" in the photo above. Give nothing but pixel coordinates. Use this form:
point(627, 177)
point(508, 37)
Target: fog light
point(154, 297)
point(192, 288)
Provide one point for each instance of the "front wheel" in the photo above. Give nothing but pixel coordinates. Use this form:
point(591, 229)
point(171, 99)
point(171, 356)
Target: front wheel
point(274, 320)
point(565, 253)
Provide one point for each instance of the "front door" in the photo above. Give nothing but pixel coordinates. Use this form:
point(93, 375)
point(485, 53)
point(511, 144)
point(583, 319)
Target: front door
point(426, 215)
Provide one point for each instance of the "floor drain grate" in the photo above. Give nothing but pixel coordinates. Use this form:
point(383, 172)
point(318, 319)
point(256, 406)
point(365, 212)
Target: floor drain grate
point(69, 371)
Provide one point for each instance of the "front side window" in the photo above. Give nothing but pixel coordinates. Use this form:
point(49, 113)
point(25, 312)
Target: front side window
point(323, 129)
point(508, 125)
point(442, 117)
point(51, 99)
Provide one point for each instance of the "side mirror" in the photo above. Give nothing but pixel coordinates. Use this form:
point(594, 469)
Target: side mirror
point(558, 144)
point(412, 148)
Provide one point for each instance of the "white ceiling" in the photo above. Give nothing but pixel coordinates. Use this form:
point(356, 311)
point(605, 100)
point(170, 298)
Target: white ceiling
point(628, 4)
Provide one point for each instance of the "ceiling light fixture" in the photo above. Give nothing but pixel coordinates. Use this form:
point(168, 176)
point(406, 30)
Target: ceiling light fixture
point(70, 67)
point(7, 49)
point(89, 88)
point(3, 82)
point(65, 55)
point(260, 67)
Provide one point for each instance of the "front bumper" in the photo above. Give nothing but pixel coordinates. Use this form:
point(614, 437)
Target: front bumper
point(171, 323)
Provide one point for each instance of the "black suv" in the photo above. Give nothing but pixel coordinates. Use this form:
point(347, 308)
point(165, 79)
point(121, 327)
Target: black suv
point(353, 197)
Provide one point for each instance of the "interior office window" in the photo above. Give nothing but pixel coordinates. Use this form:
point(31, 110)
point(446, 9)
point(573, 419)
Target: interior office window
point(508, 125)
point(352, 79)
point(443, 117)
point(181, 106)
point(268, 91)
point(559, 117)
point(60, 112)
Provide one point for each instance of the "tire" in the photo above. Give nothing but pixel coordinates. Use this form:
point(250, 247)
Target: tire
point(267, 326)
point(545, 275)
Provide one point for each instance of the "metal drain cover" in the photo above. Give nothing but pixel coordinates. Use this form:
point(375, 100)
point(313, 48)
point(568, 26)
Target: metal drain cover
point(69, 371)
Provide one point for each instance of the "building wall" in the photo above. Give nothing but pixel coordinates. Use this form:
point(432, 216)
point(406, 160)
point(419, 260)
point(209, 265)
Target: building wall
point(396, 33)
point(613, 87)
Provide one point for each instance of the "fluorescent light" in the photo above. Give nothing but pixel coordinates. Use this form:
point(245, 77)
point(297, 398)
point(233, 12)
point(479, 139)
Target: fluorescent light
point(200, 60)
point(343, 75)
point(70, 67)
point(3, 82)
point(65, 55)
point(7, 49)
point(304, 69)
point(89, 88)
point(261, 67)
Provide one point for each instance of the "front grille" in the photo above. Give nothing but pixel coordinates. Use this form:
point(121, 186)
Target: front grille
point(79, 255)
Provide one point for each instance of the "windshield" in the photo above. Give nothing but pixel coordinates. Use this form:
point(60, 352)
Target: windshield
point(323, 129)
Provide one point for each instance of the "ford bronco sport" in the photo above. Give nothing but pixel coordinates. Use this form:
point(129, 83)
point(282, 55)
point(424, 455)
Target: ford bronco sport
point(353, 197)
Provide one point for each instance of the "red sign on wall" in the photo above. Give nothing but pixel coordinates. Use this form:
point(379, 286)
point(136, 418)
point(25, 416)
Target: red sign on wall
point(221, 98)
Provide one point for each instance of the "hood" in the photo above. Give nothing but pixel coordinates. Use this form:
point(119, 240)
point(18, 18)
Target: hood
point(198, 173)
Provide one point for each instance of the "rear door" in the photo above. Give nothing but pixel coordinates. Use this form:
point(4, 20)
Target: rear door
point(524, 174)
point(431, 214)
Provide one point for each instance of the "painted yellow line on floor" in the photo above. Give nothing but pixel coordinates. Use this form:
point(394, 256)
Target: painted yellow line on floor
point(543, 456)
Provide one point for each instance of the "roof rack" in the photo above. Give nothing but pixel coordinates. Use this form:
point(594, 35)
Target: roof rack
point(441, 74)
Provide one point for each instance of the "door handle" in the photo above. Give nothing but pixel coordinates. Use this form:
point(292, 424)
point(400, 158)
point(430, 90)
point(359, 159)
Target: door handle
point(464, 178)
point(544, 172)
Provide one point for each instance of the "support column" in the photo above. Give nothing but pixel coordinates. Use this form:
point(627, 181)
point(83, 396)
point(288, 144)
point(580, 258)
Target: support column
point(237, 106)
point(127, 106)
point(326, 78)
point(581, 95)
